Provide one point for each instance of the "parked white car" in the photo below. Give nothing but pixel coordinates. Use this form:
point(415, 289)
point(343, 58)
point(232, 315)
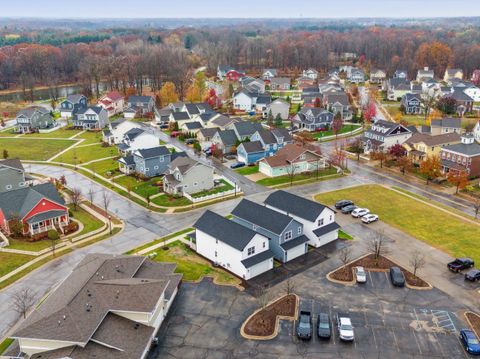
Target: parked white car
point(369, 218)
point(345, 328)
point(360, 275)
point(360, 212)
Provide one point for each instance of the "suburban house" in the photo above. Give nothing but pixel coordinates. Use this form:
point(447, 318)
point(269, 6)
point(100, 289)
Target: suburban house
point(113, 102)
point(384, 134)
point(475, 77)
point(244, 130)
point(464, 102)
point(252, 84)
point(303, 82)
point(411, 104)
point(229, 73)
point(222, 71)
point(204, 137)
point(337, 102)
point(396, 87)
point(90, 118)
point(225, 140)
point(441, 126)
point(71, 104)
point(312, 119)
point(292, 159)
point(473, 92)
point(280, 108)
point(12, 175)
point(356, 76)
point(115, 131)
point(269, 74)
point(110, 306)
point(137, 139)
point(222, 122)
point(180, 118)
point(377, 76)
point(185, 175)
point(476, 132)
point(318, 220)
point(425, 74)
point(262, 103)
point(463, 156)
point(421, 146)
point(39, 208)
point(139, 105)
point(245, 100)
point(453, 74)
point(149, 162)
point(232, 246)
point(310, 73)
point(33, 119)
point(191, 127)
point(400, 74)
point(285, 234)
point(263, 143)
point(280, 83)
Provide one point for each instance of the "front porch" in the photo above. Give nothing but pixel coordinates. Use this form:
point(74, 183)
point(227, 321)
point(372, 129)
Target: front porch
point(42, 223)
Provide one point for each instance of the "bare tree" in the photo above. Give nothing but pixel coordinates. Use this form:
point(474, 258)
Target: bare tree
point(106, 202)
point(417, 262)
point(291, 170)
point(345, 257)
point(263, 296)
point(476, 207)
point(91, 195)
point(23, 300)
point(289, 285)
point(76, 197)
point(378, 246)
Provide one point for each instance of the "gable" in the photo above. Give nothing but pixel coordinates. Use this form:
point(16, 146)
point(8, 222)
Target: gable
point(44, 205)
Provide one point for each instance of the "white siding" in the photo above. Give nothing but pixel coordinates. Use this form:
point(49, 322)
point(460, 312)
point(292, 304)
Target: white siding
point(295, 252)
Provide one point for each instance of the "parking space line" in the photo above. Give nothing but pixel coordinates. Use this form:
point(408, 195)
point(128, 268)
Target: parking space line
point(395, 340)
point(371, 280)
point(374, 338)
point(439, 345)
point(416, 340)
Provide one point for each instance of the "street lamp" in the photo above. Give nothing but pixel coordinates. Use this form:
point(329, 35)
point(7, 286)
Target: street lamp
point(110, 223)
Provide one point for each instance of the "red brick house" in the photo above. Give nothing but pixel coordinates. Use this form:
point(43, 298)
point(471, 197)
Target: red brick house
point(234, 75)
point(40, 208)
point(464, 156)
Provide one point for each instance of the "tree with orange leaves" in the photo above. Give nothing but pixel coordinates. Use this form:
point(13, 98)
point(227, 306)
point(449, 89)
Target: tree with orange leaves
point(458, 178)
point(436, 55)
point(430, 167)
point(168, 93)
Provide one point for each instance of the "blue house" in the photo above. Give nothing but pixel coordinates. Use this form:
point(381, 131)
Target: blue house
point(285, 234)
point(263, 143)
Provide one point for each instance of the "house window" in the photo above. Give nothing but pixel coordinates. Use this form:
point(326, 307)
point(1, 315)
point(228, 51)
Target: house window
point(330, 217)
point(254, 227)
point(216, 241)
point(299, 230)
point(160, 158)
point(155, 167)
point(251, 251)
point(195, 184)
point(147, 169)
point(8, 186)
point(215, 253)
point(264, 244)
point(288, 235)
point(185, 186)
point(320, 222)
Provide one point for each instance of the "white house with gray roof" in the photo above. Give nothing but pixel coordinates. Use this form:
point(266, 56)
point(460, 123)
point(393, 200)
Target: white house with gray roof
point(90, 118)
point(384, 134)
point(33, 119)
point(238, 249)
point(149, 162)
point(137, 139)
point(278, 107)
point(108, 307)
point(115, 131)
point(185, 175)
point(71, 104)
point(318, 220)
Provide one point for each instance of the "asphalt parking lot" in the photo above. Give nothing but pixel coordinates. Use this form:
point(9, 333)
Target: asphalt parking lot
point(389, 322)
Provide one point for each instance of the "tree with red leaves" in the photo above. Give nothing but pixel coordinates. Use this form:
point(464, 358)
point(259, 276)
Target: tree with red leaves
point(370, 111)
point(337, 125)
point(397, 151)
point(317, 103)
point(212, 98)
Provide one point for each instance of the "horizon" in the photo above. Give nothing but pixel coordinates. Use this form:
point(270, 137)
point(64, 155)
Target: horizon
point(267, 9)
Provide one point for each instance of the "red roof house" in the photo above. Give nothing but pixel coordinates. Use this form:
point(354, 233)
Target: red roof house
point(113, 102)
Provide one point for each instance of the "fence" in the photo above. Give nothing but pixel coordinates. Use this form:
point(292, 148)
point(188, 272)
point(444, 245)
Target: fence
point(236, 189)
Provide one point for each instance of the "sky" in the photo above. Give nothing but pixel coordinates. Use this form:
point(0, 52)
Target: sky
point(238, 9)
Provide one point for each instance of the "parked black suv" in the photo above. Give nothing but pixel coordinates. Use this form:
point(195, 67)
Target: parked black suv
point(397, 277)
point(472, 275)
point(324, 330)
point(460, 264)
point(348, 209)
point(304, 326)
point(342, 203)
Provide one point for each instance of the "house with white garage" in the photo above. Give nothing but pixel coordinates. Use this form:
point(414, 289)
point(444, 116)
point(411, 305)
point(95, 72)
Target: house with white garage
point(285, 234)
point(232, 246)
point(90, 118)
point(137, 139)
point(113, 135)
point(318, 220)
point(71, 104)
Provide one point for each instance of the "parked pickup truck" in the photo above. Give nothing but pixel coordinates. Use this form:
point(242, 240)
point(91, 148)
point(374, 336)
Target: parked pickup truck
point(305, 326)
point(460, 264)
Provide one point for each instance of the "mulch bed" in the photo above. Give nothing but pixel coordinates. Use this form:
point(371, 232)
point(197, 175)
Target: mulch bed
point(345, 274)
point(475, 321)
point(262, 324)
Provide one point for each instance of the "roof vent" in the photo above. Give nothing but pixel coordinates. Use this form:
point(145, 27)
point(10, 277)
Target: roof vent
point(137, 326)
point(64, 317)
point(59, 322)
point(101, 277)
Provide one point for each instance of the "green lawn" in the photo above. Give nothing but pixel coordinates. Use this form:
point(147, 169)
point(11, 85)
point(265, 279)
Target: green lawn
point(104, 167)
point(142, 188)
point(60, 133)
point(87, 154)
point(35, 150)
point(247, 170)
point(160, 240)
point(344, 129)
point(23, 245)
point(344, 235)
point(192, 266)
point(90, 223)
point(11, 261)
point(431, 225)
point(225, 186)
point(166, 200)
point(273, 181)
point(7, 133)
point(90, 137)
point(5, 344)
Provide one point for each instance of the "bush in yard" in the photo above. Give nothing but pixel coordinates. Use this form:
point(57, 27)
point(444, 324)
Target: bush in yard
point(53, 235)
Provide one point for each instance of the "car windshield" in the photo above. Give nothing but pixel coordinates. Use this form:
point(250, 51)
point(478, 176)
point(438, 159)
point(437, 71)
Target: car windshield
point(473, 341)
point(324, 325)
point(360, 272)
point(346, 327)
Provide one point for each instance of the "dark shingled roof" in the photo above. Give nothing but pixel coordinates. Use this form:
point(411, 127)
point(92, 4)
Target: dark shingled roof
point(262, 216)
point(294, 242)
point(252, 147)
point(326, 229)
point(228, 137)
point(227, 231)
point(258, 258)
point(181, 116)
point(296, 205)
point(12, 163)
point(153, 152)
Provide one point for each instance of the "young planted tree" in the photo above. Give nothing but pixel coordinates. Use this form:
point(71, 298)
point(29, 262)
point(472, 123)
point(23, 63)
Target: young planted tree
point(76, 197)
point(458, 178)
point(5, 154)
point(431, 168)
point(378, 246)
point(370, 111)
point(23, 300)
point(417, 262)
point(476, 208)
point(106, 202)
point(405, 164)
point(379, 156)
point(345, 257)
point(397, 151)
point(356, 147)
point(91, 195)
point(289, 285)
point(278, 121)
point(337, 125)
point(53, 237)
point(291, 171)
point(270, 119)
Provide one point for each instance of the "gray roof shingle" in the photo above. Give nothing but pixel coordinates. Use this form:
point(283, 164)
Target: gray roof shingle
point(296, 205)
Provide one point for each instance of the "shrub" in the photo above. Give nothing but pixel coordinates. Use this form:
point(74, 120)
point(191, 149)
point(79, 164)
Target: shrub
point(53, 235)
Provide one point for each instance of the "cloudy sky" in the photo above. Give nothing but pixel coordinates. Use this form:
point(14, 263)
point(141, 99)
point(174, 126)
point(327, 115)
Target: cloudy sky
point(238, 9)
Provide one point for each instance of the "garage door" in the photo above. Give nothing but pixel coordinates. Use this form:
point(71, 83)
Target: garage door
point(295, 252)
point(260, 268)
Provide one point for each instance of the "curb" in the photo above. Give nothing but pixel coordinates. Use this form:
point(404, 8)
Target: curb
point(470, 323)
point(277, 320)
